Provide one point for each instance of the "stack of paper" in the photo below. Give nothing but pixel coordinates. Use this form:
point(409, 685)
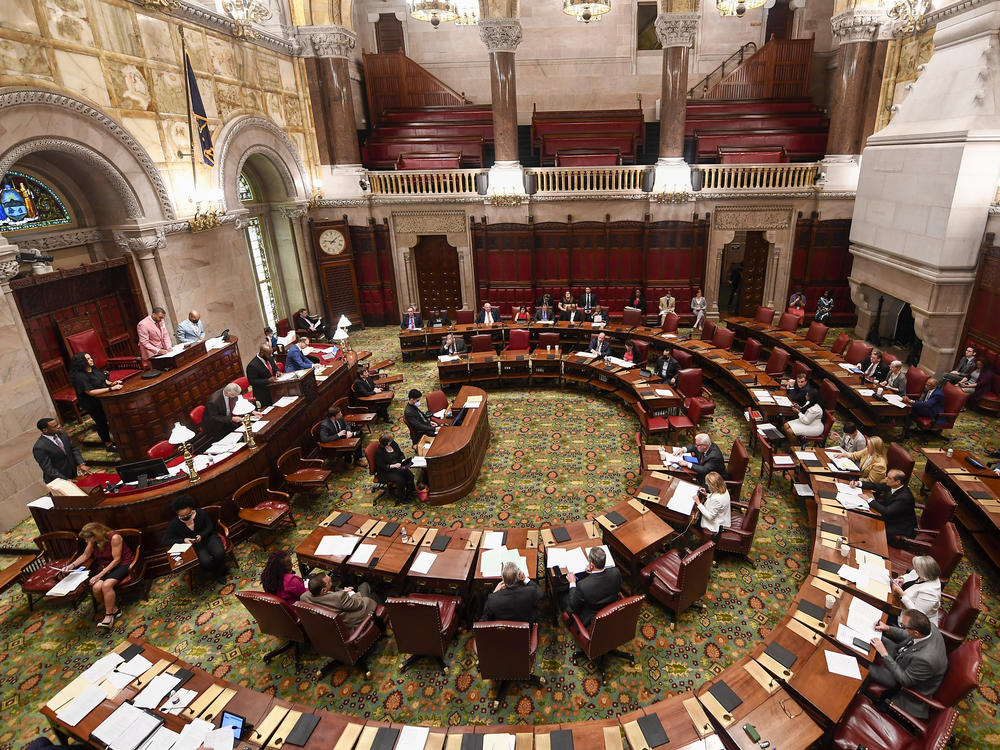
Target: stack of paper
point(805, 456)
point(258, 426)
point(620, 362)
point(783, 461)
point(418, 462)
point(285, 401)
point(362, 554)
point(473, 402)
point(126, 728)
point(154, 693)
point(762, 396)
point(491, 561)
point(174, 704)
point(896, 400)
point(214, 343)
point(336, 545)
point(70, 583)
point(193, 735)
point(847, 636)
point(574, 560)
point(866, 392)
point(492, 540)
point(861, 618)
point(782, 401)
point(665, 392)
point(448, 358)
point(162, 739)
point(78, 708)
point(45, 503)
point(683, 498)
point(177, 550)
point(851, 501)
point(423, 562)
point(848, 366)
point(845, 464)
point(585, 355)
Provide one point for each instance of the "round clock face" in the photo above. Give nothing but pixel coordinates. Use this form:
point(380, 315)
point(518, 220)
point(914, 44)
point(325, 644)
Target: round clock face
point(332, 242)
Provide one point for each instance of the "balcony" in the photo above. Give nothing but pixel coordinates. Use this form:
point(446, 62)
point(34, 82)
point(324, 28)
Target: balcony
point(430, 184)
point(743, 179)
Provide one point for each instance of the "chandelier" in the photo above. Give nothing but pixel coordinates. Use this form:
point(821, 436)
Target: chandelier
point(737, 8)
point(909, 15)
point(468, 12)
point(432, 11)
point(245, 13)
point(586, 10)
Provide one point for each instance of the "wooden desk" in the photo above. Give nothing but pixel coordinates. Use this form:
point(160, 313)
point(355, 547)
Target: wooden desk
point(451, 571)
point(678, 723)
point(305, 552)
point(456, 455)
point(143, 412)
point(641, 535)
point(394, 555)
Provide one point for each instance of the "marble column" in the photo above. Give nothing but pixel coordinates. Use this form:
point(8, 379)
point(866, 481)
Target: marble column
point(676, 32)
point(143, 245)
point(501, 37)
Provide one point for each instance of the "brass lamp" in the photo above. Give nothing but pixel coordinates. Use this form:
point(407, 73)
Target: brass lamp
point(180, 435)
point(244, 409)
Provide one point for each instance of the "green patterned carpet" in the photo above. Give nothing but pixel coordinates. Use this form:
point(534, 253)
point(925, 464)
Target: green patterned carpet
point(558, 455)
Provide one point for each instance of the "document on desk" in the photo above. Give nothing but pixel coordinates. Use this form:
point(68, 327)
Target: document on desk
point(412, 738)
point(178, 701)
point(220, 739)
point(440, 413)
point(337, 545)
point(845, 464)
point(861, 618)
point(156, 690)
point(850, 573)
point(842, 664)
point(665, 392)
point(497, 741)
point(177, 549)
point(135, 666)
point(362, 554)
point(214, 343)
point(852, 502)
point(100, 668)
point(782, 401)
point(285, 401)
point(132, 727)
point(491, 561)
point(848, 366)
point(866, 392)
point(572, 559)
point(162, 739)
point(423, 563)
point(492, 540)
point(193, 735)
point(78, 709)
point(70, 583)
point(259, 425)
point(45, 503)
point(763, 397)
point(683, 498)
point(448, 358)
point(896, 400)
point(783, 460)
point(846, 636)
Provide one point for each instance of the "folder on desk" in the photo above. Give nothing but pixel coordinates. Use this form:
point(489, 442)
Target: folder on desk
point(341, 519)
point(649, 492)
point(616, 518)
point(652, 730)
point(831, 528)
point(389, 529)
point(812, 612)
point(778, 659)
point(472, 742)
point(561, 739)
point(560, 535)
point(440, 543)
point(829, 566)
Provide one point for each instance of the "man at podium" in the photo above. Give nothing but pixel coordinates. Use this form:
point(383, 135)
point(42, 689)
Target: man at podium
point(153, 336)
point(262, 370)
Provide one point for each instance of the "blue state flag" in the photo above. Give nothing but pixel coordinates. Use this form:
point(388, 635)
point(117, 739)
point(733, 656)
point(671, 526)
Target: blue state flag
point(198, 109)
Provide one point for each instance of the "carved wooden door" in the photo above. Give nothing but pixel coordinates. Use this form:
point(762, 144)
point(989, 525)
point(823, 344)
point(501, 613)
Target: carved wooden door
point(755, 255)
point(389, 34)
point(439, 280)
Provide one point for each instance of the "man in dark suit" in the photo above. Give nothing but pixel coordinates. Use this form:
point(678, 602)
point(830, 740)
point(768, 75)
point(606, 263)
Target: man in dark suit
point(598, 316)
point(601, 587)
point(965, 365)
point(896, 504)
point(262, 370)
point(600, 344)
point(667, 367)
point(802, 390)
point(453, 344)
point(709, 457)
point(218, 419)
point(544, 314)
point(913, 656)
point(874, 367)
point(335, 427)
point(364, 385)
point(55, 453)
point(544, 301)
point(514, 598)
point(418, 420)
point(411, 321)
point(572, 314)
point(588, 300)
point(930, 404)
point(487, 316)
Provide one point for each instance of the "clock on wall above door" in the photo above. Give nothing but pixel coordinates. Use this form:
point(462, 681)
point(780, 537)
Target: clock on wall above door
point(335, 268)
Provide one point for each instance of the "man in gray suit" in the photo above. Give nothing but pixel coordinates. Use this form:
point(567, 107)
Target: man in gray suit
point(913, 656)
point(352, 606)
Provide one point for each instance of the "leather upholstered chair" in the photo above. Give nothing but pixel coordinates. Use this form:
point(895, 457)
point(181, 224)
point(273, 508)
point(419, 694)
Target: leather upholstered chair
point(691, 388)
point(632, 317)
point(262, 508)
point(414, 437)
point(356, 415)
point(857, 351)
point(518, 341)
point(327, 633)
point(641, 352)
point(764, 315)
point(767, 463)
point(863, 725)
point(684, 359)
point(651, 425)
point(954, 402)
point(679, 582)
point(789, 322)
point(424, 625)
point(80, 335)
point(276, 619)
point(819, 440)
point(196, 415)
point(463, 317)
point(708, 331)
point(915, 381)
point(777, 363)
point(612, 627)
point(162, 449)
point(737, 538)
point(817, 332)
point(736, 469)
point(938, 510)
point(751, 352)
point(897, 457)
point(723, 338)
point(800, 367)
point(506, 651)
point(436, 401)
point(215, 511)
point(482, 342)
point(303, 474)
point(840, 343)
point(946, 549)
point(547, 338)
point(57, 550)
point(671, 322)
point(828, 394)
point(960, 679)
point(965, 608)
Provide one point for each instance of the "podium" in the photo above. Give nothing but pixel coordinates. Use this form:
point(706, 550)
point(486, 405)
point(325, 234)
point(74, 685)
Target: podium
point(298, 383)
point(174, 360)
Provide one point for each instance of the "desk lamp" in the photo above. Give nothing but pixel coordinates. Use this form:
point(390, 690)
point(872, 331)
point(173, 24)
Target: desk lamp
point(341, 338)
point(180, 435)
point(244, 409)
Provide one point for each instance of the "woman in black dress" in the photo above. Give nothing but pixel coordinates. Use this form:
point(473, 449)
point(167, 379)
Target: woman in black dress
point(637, 300)
point(194, 526)
point(89, 383)
point(390, 467)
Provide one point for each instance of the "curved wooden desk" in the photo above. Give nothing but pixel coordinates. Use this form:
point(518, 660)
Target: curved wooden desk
point(456, 455)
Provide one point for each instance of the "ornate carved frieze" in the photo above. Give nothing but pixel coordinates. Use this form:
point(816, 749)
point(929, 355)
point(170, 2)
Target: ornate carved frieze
point(752, 217)
point(861, 25)
point(500, 34)
point(8, 270)
point(141, 243)
point(296, 211)
point(326, 41)
point(436, 222)
point(676, 29)
point(58, 240)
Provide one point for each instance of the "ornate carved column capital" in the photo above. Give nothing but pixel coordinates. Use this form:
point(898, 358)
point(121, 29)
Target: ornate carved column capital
point(326, 41)
point(294, 211)
point(860, 25)
point(141, 244)
point(500, 34)
point(676, 29)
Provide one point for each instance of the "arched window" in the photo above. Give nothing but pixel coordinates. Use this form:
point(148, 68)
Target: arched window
point(244, 189)
point(26, 202)
point(260, 255)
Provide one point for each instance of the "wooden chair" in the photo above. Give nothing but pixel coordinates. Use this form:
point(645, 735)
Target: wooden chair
point(414, 437)
point(463, 317)
point(954, 402)
point(960, 678)
point(915, 381)
point(829, 394)
point(325, 630)
point(57, 550)
point(187, 569)
point(612, 627)
point(424, 625)
point(641, 355)
point(335, 449)
point(937, 511)
point(506, 652)
point(80, 335)
point(897, 457)
point(690, 386)
point(819, 440)
point(708, 331)
point(262, 508)
point(684, 359)
point(767, 463)
point(800, 368)
point(303, 474)
point(356, 415)
point(378, 486)
point(197, 414)
point(547, 338)
point(679, 582)
point(840, 343)
point(632, 317)
point(737, 538)
point(276, 619)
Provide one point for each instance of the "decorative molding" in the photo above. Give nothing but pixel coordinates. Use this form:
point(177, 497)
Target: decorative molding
point(861, 25)
point(500, 34)
point(232, 131)
point(326, 41)
point(752, 217)
point(935, 17)
point(294, 211)
point(59, 240)
point(420, 222)
point(8, 270)
point(140, 244)
point(677, 29)
point(344, 203)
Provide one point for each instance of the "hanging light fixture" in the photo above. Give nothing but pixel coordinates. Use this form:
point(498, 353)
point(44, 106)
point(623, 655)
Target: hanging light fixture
point(245, 13)
point(432, 11)
point(737, 8)
point(468, 12)
point(586, 10)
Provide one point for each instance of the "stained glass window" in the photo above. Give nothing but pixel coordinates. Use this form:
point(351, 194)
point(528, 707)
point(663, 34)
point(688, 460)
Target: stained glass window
point(262, 272)
point(245, 189)
point(27, 202)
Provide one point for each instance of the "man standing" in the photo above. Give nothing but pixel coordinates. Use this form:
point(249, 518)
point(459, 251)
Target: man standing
point(153, 336)
point(588, 301)
point(352, 606)
point(190, 330)
point(261, 372)
point(896, 504)
point(418, 420)
point(55, 453)
point(709, 457)
point(335, 427)
point(913, 656)
point(599, 589)
point(218, 419)
point(514, 598)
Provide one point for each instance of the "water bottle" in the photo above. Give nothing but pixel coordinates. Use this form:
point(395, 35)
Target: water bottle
point(402, 534)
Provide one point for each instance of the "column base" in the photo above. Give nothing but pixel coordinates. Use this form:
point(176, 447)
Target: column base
point(343, 181)
point(839, 173)
point(672, 178)
point(506, 180)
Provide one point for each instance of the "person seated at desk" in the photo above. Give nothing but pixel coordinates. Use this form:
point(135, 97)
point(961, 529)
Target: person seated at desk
point(588, 300)
point(808, 423)
point(598, 589)
point(190, 329)
point(453, 344)
point(894, 501)
point(55, 453)
point(913, 656)
point(929, 405)
point(872, 460)
point(599, 316)
point(566, 301)
point(89, 383)
point(194, 526)
point(698, 307)
point(668, 304)
point(364, 386)
point(801, 390)
point(629, 355)
point(667, 367)
point(920, 589)
point(709, 457)
point(521, 315)
point(109, 558)
point(514, 598)
point(797, 304)
point(716, 510)
point(544, 314)
point(303, 321)
point(438, 319)
point(153, 336)
point(218, 419)
point(600, 345)
point(851, 440)
point(637, 300)
point(824, 307)
point(392, 467)
point(572, 315)
point(278, 579)
point(295, 358)
point(262, 370)
point(419, 421)
point(487, 316)
point(352, 606)
point(335, 427)
point(874, 367)
point(963, 368)
point(411, 321)
point(895, 380)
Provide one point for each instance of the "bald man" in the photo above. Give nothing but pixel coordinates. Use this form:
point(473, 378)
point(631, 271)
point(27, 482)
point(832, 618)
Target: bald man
point(262, 370)
point(191, 330)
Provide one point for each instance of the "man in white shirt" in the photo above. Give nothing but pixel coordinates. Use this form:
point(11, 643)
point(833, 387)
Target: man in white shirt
point(486, 316)
point(191, 329)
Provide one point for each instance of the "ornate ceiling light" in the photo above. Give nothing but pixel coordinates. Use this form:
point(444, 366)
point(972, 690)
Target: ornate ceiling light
point(432, 11)
point(245, 13)
point(586, 10)
point(909, 15)
point(737, 8)
point(468, 12)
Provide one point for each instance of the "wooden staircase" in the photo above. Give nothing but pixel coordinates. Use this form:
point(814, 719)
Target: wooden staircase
point(778, 70)
point(394, 81)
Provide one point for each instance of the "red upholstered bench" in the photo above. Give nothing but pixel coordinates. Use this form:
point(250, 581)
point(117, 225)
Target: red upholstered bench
point(623, 141)
point(482, 128)
point(578, 121)
point(752, 155)
point(754, 121)
point(589, 157)
point(801, 145)
point(382, 153)
point(444, 113)
point(696, 107)
point(449, 160)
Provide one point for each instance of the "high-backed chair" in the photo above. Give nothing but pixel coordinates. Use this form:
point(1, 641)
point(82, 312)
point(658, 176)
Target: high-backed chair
point(840, 343)
point(737, 538)
point(197, 414)
point(463, 317)
point(136, 577)
point(79, 334)
point(954, 402)
point(518, 341)
point(341, 448)
point(708, 331)
point(651, 425)
point(857, 351)
point(632, 317)
point(736, 469)
point(424, 625)
point(679, 582)
point(276, 619)
point(547, 338)
point(436, 401)
point(751, 352)
point(777, 362)
point(938, 510)
point(57, 550)
point(303, 474)
point(819, 440)
point(817, 332)
point(162, 449)
point(612, 627)
point(215, 511)
point(689, 385)
point(767, 463)
point(506, 652)
point(764, 315)
point(414, 437)
point(684, 359)
point(788, 322)
point(946, 549)
point(640, 352)
point(960, 679)
point(897, 457)
point(829, 394)
point(686, 421)
point(863, 725)
point(262, 508)
point(956, 623)
point(723, 338)
point(378, 485)
point(356, 415)
point(326, 631)
point(482, 342)
point(670, 323)
point(915, 381)
point(245, 388)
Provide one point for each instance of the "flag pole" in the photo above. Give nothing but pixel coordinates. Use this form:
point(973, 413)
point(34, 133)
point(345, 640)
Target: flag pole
point(187, 97)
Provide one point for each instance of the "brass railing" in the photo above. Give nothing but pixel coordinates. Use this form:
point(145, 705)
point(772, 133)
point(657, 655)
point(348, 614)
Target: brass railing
point(551, 180)
point(745, 177)
point(420, 182)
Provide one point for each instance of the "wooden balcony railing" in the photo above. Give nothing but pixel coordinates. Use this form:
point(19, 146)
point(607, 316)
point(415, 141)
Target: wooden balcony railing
point(419, 182)
point(554, 180)
point(751, 177)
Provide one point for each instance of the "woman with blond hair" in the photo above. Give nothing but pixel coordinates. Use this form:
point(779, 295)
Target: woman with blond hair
point(109, 559)
point(716, 510)
point(872, 460)
point(920, 589)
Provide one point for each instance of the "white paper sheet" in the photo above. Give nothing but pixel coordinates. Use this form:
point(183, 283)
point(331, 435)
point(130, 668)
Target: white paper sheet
point(115, 682)
point(423, 563)
point(850, 573)
point(220, 739)
point(412, 738)
point(418, 462)
point(193, 734)
point(762, 396)
point(258, 426)
point(492, 540)
point(500, 741)
point(866, 392)
point(154, 693)
point(440, 414)
point(362, 554)
point(803, 490)
point(448, 358)
point(491, 561)
point(574, 560)
point(77, 709)
point(69, 584)
point(843, 664)
point(665, 392)
point(336, 545)
point(784, 461)
point(174, 704)
point(876, 573)
point(852, 502)
point(861, 618)
point(845, 464)
point(683, 498)
point(285, 401)
point(45, 503)
point(846, 636)
point(100, 668)
point(178, 549)
point(135, 666)
point(162, 739)
point(806, 456)
point(115, 726)
point(848, 366)
point(138, 731)
point(782, 401)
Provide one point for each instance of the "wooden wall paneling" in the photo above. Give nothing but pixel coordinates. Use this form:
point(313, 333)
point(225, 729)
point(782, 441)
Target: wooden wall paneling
point(387, 272)
point(821, 259)
point(984, 302)
point(393, 80)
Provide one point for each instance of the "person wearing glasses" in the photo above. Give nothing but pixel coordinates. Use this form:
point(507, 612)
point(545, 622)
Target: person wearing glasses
point(194, 526)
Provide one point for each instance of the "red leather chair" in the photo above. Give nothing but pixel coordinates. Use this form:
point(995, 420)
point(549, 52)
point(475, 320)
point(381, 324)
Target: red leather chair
point(80, 335)
point(197, 414)
point(723, 338)
point(828, 394)
point(751, 352)
point(897, 457)
point(463, 317)
point(684, 359)
point(737, 538)
point(518, 341)
point(960, 679)
point(915, 381)
point(414, 437)
point(689, 385)
point(670, 323)
point(650, 425)
point(262, 508)
point(377, 484)
point(800, 368)
point(326, 631)
point(424, 625)
point(640, 352)
point(817, 332)
point(777, 362)
point(342, 448)
point(739, 461)
point(283, 327)
point(506, 651)
point(679, 582)
point(685, 422)
point(946, 549)
point(708, 331)
point(789, 322)
point(482, 342)
point(436, 401)
point(276, 619)
point(863, 725)
point(632, 317)
point(244, 385)
point(548, 338)
point(938, 510)
point(764, 315)
point(820, 440)
point(162, 449)
point(612, 627)
point(303, 474)
point(840, 343)
point(954, 402)
point(857, 351)
point(965, 608)
point(57, 550)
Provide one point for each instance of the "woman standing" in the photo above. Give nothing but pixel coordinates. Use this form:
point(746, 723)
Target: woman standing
point(109, 559)
point(391, 467)
point(566, 301)
point(194, 526)
point(698, 306)
point(89, 383)
point(278, 579)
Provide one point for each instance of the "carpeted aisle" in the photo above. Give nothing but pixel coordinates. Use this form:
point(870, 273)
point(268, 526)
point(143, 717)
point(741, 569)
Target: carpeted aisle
point(559, 455)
